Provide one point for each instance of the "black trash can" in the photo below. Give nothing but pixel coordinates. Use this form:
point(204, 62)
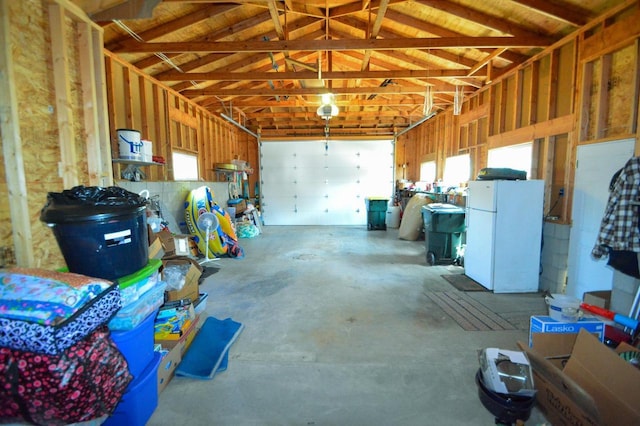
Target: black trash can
point(444, 227)
point(101, 232)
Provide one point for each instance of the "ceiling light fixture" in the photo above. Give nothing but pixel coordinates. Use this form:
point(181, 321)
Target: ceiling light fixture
point(328, 108)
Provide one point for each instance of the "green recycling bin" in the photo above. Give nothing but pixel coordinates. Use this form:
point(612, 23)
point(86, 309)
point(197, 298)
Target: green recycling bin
point(376, 212)
point(444, 228)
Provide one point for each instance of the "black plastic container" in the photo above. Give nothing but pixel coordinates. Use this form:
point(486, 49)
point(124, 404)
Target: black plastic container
point(101, 232)
point(507, 408)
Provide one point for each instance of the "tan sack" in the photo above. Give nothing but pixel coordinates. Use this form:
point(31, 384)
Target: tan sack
point(411, 224)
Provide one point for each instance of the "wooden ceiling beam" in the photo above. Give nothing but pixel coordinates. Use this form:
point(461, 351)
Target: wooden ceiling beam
point(357, 7)
point(236, 28)
point(312, 75)
point(375, 29)
point(488, 21)
point(396, 102)
point(394, 89)
point(207, 60)
point(336, 45)
point(567, 13)
point(204, 13)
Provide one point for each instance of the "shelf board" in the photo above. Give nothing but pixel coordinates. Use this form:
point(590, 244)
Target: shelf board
point(136, 162)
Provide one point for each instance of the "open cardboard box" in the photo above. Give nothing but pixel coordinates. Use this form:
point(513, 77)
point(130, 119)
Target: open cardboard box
point(580, 381)
point(190, 288)
point(177, 349)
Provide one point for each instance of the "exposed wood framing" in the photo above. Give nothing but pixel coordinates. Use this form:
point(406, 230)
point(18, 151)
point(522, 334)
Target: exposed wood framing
point(95, 118)
point(556, 126)
point(64, 114)
point(12, 147)
point(611, 38)
point(335, 45)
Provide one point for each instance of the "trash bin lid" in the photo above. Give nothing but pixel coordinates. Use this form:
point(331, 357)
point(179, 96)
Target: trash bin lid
point(443, 208)
point(90, 204)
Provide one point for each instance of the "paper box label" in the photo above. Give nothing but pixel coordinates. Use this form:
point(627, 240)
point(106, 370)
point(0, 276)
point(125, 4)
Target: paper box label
point(546, 324)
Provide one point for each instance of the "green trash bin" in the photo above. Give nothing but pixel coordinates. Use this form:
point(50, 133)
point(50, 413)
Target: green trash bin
point(444, 228)
point(376, 212)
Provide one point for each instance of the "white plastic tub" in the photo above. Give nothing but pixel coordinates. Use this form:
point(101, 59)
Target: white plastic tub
point(563, 308)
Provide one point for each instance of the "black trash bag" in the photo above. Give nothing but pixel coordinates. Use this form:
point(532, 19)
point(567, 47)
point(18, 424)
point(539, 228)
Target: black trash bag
point(97, 195)
point(90, 202)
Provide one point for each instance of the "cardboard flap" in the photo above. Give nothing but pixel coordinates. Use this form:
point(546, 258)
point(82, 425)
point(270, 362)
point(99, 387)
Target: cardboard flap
point(613, 383)
point(556, 377)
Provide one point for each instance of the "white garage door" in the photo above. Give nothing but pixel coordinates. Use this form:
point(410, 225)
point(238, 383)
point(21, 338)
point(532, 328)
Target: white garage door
point(323, 183)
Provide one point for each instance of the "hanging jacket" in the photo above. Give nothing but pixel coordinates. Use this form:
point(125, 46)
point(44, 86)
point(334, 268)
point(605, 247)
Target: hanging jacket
point(619, 227)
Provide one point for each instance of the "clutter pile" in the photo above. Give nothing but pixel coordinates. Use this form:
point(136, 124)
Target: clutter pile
point(121, 315)
point(581, 365)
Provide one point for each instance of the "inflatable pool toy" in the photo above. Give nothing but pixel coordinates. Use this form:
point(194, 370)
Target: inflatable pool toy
point(225, 221)
point(199, 201)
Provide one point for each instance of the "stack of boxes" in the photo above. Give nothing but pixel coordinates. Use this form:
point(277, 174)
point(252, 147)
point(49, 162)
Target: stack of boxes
point(178, 320)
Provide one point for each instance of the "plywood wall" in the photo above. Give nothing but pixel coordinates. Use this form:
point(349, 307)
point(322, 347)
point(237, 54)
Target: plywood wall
point(46, 67)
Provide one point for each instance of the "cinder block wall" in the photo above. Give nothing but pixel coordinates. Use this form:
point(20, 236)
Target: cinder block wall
point(555, 253)
point(623, 293)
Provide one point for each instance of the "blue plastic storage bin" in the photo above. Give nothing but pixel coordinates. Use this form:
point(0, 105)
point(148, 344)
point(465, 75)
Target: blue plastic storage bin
point(132, 315)
point(137, 345)
point(141, 399)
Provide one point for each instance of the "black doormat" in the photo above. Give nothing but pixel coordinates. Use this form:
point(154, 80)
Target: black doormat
point(470, 314)
point(463, 282)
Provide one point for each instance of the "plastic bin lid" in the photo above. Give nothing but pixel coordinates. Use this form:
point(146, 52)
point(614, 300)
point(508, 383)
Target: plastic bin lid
point(443, 208)
point(147, 271)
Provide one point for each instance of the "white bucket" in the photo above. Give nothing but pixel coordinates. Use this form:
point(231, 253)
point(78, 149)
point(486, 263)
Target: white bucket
point(393, 217)
point(147, 151)
point(129, 144)
point(563, 308)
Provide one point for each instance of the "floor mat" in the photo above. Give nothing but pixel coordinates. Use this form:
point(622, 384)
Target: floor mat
point(470, 314)
point(463, 282)
point(208, 352)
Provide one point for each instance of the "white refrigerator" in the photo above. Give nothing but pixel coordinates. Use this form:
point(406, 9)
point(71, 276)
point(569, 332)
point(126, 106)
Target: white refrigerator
point(504, 234)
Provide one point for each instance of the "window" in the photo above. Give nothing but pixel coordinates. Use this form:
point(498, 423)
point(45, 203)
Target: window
point(516, 157)
point(185, 166)
point(428, 171)
point(456, 170)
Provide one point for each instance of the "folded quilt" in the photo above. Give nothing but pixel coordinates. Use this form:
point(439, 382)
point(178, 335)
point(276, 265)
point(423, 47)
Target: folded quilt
point(46, 297)
point(46, 312)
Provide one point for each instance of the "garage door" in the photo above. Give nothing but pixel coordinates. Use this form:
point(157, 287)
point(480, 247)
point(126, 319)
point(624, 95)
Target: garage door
point(323, 183)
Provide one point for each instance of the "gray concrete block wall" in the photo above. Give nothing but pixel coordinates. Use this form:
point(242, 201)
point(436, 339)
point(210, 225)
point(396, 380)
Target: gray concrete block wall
point(554, 259)
point(623, 293)
point(174, 194)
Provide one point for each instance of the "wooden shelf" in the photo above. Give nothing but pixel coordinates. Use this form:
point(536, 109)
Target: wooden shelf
point(136, 162)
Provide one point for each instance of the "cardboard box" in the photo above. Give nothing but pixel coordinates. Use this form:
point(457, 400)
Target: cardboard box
point(181, 244)
point(546, 324)
point(168, 366)
point(602, 299)
point(240, 204)
point(190, 287)
point(166, 238)
point(186, 338)
point(580, 381)
point(177, 350)
point(156, 251)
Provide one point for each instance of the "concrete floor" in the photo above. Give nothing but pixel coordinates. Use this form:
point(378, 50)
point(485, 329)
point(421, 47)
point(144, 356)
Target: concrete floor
point(339, 331)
